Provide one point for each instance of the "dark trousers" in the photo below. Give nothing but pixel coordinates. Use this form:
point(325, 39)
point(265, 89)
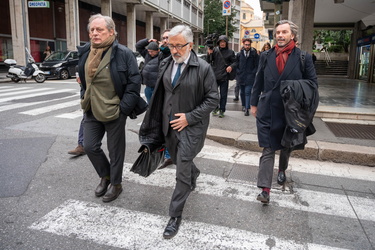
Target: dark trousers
point(93, 136)
point(185, 173)
point(245, 95)
point(223, 87)
point(81, 131)
point(266, 165)
point(237, 90)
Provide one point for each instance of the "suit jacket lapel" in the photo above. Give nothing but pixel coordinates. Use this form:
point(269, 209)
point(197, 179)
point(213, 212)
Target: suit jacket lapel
point(291, 63)
point(271, 63)
point(167, 76)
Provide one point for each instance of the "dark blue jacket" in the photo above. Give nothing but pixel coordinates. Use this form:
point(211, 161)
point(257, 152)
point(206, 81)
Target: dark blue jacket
point(247, 67)
point(124, 73)
point(271, 122)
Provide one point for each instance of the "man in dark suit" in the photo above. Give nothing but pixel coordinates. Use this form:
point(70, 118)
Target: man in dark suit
point(179, 114)
point(282, 62)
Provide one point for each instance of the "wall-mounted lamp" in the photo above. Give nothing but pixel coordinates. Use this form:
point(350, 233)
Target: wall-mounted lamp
point(60, 9)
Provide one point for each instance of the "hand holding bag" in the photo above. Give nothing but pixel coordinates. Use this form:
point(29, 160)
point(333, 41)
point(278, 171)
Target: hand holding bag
point(148, 161)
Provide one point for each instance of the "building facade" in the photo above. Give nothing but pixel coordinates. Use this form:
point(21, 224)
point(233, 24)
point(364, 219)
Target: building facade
point(62, 24)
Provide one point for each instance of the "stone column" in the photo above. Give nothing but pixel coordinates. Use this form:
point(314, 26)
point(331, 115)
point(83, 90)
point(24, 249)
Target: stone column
point(352, 73)
point(106, 6)
point(19, 21)
point(131, 25)
point(72, 24)
point(302, 14)
point(196, 41)
point(149, 25)
point(163, 24)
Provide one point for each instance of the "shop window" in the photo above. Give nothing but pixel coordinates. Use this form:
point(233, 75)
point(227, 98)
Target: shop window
point(6, 48)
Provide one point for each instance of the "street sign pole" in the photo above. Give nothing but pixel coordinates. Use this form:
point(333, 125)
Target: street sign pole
point(226, 26)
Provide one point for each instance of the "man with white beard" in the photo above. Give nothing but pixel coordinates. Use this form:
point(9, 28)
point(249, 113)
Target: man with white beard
point(178, 116)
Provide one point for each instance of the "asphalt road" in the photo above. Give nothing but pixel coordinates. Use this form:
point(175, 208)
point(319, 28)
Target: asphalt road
point(47, 197)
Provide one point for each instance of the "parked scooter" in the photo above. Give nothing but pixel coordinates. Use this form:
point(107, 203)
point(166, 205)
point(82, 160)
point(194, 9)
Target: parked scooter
point(31, 71)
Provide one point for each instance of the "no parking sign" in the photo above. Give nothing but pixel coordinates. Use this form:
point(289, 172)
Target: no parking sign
point(227, 8)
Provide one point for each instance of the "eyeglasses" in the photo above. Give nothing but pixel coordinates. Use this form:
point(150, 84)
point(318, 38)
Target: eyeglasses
point(164, 37)
point(247, 44)
point(178, 47)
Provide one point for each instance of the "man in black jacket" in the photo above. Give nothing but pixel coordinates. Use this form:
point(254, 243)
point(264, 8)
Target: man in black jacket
point(110, 91)
point(277, 65)
point(179, 114)
point(150, 51)
point(247, 65)
point(223, 61)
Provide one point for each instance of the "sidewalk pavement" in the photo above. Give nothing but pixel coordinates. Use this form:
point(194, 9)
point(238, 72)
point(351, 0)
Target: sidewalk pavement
point(240, 131)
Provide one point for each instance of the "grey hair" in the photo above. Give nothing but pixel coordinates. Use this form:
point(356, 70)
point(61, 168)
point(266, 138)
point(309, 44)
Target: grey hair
point(110, 24)
point(293, 28)
point(184, 30)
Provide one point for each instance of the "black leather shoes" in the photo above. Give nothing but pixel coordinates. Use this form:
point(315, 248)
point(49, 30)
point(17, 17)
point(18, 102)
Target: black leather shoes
point(172, 227)
point(281, 178)
point(247, 112)
point(194, 181)
point(166, 163)
point(101, 189)
point(264, 197)
point(112, 193)
point(236, 99)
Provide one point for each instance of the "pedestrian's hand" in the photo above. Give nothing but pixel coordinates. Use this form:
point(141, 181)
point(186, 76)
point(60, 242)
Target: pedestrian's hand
point(152, 40)
point(210, 51)
point(78, 80)
point(179, 123)
point(229, 69)
point(253, 110)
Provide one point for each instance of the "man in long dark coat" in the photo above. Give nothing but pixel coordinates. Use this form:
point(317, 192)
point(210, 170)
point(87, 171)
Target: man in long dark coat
point(179, 114)
point(282, 62)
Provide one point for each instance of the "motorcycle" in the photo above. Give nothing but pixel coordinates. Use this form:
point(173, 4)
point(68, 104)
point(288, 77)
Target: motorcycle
point(31, 71)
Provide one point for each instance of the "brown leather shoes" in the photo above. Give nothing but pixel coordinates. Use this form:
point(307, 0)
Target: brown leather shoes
point(112, 193)
point(79, 150)
point(166, 163)
point(101, 189)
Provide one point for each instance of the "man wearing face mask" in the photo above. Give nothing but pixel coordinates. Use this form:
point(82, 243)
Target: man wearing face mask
point(277, 66)
point(110, 83)
point(179, 114)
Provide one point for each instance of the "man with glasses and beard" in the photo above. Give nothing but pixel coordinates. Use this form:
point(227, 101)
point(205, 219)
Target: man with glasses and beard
point(178, 116)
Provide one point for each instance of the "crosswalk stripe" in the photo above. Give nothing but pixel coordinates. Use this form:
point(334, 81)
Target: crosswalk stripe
point(28, 104)
point(139, 230)
point(19, 97)
point(234, 155)
point(50, 108)
point(302, 200)
point(72, 115)
point(23, 91)
point(12, 89)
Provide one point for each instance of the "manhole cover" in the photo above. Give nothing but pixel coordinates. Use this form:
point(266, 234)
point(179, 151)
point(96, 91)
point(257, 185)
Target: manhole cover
point(356, 131)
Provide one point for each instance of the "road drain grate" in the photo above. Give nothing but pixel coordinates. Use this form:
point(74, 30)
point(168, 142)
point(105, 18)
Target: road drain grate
point(356, 131)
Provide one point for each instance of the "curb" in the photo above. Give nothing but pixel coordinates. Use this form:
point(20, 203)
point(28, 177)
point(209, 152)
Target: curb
point(314, 150)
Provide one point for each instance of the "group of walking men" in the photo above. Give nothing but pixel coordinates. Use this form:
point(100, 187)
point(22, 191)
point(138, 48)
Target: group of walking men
point(181, 90)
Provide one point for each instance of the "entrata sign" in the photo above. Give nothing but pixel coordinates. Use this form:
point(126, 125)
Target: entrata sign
point(227, 8)
point(38, 4)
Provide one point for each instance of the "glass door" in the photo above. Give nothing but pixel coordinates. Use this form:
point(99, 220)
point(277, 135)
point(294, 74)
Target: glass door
point(364, 60)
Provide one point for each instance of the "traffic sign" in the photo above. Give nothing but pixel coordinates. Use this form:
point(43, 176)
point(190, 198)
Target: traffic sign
point(256, 36)
point(227, 8)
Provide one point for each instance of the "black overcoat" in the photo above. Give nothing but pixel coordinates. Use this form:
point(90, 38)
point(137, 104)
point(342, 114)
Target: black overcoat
point(195, 94)
point(266, 95)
